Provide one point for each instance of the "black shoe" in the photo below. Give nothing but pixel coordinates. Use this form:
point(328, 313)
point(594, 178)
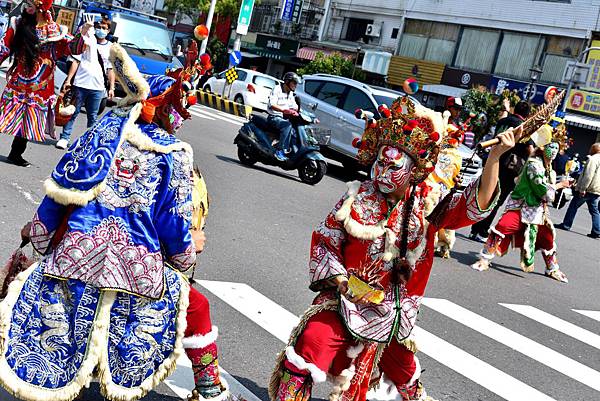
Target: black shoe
point(594, 235)
point(18, 161)
point(561, 226)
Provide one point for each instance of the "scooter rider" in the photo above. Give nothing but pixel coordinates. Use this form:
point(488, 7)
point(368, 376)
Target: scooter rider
point(282, 104)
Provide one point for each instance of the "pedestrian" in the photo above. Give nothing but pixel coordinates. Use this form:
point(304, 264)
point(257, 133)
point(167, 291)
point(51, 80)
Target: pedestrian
point(526, 223)
point(121, 219)
point(511, 163)
point(35, 42)
point(587, 191)
point(90, 75)
point(370, 261)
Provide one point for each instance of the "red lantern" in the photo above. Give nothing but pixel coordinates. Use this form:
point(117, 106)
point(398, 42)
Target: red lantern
point(201, 32)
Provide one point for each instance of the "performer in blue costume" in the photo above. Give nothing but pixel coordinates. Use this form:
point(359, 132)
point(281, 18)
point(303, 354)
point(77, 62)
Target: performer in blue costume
point(115, 229)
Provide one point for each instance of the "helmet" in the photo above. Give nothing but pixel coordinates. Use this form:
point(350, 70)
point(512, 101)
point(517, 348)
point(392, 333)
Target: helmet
point(291, 76)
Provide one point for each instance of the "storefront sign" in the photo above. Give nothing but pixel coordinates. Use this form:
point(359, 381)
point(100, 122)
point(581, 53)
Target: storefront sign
point(464, 79)
point(584, 101)
point(527, 91)
point(426, 72)
point(287, 10)
point(66, 18)
point(276, 45)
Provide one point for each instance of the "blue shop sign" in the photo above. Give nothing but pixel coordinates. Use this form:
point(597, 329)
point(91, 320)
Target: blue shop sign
point(287, 10)
point(526, 91)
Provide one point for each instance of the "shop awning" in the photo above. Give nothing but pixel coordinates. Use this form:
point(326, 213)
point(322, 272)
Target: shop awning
point(445, 90)
point(250, 55)
point(309, 53)
point(582, 121)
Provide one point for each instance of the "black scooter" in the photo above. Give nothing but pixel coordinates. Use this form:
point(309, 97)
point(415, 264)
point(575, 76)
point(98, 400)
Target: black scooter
point(255, 141)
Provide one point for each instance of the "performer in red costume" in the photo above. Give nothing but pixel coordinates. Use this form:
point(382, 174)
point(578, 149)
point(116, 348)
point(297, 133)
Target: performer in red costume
point(370, 262)
point(35, 42)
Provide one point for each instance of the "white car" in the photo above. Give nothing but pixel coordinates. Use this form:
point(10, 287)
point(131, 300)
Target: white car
point(252, 88)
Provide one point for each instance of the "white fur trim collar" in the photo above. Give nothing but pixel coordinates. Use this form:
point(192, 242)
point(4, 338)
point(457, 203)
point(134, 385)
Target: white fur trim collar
point(317, 374)
point(201, 341)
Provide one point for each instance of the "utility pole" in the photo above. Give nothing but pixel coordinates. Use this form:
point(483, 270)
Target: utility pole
point(209, 18)
point(323, 23)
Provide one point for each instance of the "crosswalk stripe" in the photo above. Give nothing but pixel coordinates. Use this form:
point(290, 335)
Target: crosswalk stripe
point(195, 113)
point(555, 323)
point(279, 322)
point(475, 369)
point(182, 380)
point(202, 113)
point(221, 113)
point(592, 314)
point(518, 342)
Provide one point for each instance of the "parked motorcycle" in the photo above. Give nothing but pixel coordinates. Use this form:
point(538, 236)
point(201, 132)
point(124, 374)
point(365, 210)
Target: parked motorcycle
point(256, 138)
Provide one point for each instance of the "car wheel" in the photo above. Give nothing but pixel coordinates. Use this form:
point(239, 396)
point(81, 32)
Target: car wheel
point(207, 88)
point(312, 171)
point(245, 157)
point(239, 99)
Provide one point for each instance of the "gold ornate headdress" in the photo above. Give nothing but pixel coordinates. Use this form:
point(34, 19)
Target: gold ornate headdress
point(415, 129)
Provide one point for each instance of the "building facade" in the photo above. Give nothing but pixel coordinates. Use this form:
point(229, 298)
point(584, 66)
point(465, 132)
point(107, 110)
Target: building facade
point(452, 45)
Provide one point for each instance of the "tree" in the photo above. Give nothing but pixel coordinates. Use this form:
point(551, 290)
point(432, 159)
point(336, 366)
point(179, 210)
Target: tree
point(485, 108)
point(333, 64)
point(190, 8)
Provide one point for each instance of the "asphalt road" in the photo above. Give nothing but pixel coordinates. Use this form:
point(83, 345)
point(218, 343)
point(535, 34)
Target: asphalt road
point(259, 229)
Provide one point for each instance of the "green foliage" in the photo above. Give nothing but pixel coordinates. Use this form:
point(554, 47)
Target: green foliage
point(218, 54)
point(485, 108)
point(186, 7)
point(333, 64)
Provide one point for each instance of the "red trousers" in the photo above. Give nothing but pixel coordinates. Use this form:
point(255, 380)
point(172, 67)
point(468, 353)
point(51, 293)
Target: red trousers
point(325, 341)
point(198, 315)
point(511, 226)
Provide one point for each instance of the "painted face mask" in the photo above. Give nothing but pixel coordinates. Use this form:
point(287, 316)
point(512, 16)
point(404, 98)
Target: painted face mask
point(551, 150)
point(392, 169)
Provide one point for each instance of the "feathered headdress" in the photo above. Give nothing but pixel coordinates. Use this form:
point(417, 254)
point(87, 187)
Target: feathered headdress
point(415, 129)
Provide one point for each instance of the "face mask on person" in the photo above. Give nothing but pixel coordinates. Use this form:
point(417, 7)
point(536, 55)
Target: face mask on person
point(551, 150)
point(392, 169)
point(101, 33)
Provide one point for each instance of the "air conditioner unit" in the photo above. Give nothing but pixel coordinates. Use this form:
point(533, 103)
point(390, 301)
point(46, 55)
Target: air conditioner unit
point(373, 30)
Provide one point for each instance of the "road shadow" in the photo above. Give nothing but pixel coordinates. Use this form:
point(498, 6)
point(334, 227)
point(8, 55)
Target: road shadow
point(259, 167)
point(93, 394)
point(342, 173)
point(471, 257)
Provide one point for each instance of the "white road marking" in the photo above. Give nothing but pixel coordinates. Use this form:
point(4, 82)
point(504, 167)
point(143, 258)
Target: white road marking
point(555, 323)
point(27, 195)
point(592, 314)
point(193, 112)
point(255, 306)
point(182, 381)
point(222, 113)
point(201, 113)
point(518, 342)
point(475, 369)
point(279, 322)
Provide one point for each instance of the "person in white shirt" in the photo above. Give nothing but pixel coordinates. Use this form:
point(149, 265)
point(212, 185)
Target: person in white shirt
point(87, 76)
point(282, 103)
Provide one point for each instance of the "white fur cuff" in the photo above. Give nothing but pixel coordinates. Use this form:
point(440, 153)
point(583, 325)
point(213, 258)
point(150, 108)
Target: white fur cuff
point(317, 374)
point(201, 341)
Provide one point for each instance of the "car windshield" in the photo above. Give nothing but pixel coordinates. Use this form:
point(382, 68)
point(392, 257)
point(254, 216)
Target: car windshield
point(264, 81)
point(147, 36)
